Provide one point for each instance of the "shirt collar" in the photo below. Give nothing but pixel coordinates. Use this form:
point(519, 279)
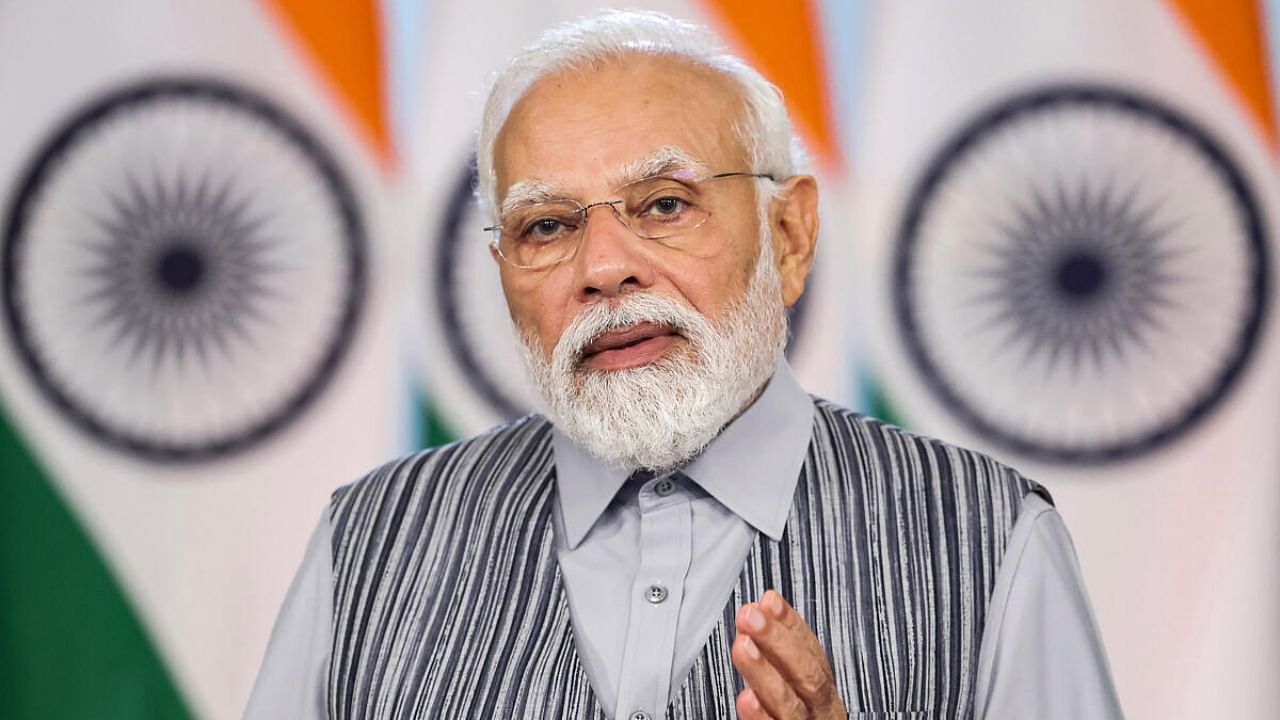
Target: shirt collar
point(585, 486)
point(751, 467)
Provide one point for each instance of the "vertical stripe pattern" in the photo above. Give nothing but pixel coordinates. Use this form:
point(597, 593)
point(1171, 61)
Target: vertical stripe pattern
point(448, 600)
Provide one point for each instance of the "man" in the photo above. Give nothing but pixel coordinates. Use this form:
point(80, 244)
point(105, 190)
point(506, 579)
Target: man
point(684, 533)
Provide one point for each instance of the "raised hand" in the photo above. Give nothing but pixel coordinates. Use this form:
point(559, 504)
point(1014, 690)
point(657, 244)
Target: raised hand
point(786, 670)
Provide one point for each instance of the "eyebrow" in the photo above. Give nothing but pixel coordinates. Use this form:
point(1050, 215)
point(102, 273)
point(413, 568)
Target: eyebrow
point(529, 192)
point(663, 161)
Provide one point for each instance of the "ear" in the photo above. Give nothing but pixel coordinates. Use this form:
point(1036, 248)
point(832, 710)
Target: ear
point(795, 233)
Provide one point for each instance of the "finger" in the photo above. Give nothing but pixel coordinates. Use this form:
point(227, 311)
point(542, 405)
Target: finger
point(801, 659)
point(769, 688)
point(749, 707)
point(792, 649)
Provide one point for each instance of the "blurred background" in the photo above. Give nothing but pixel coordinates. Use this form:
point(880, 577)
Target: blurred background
point(241, 267)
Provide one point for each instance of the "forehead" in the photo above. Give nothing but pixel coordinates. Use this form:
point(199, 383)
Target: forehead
point(579, 129)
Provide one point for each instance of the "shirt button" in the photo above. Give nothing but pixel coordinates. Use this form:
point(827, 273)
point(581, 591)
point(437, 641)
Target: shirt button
point(640, 715)
point(664, 487)
point(655, 594)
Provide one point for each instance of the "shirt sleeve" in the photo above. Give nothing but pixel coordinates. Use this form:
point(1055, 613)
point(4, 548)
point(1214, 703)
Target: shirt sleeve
point(1041, 655)
point(291, 682)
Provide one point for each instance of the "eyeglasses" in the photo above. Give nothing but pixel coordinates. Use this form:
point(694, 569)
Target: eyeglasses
point(540, 235)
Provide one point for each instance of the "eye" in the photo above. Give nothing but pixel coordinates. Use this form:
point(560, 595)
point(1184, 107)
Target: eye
point(545, 226)
point(667, 206)
point(545, 230)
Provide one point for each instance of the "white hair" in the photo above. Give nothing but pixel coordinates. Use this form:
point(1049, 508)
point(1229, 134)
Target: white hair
point(662, 414)
point(765, 130)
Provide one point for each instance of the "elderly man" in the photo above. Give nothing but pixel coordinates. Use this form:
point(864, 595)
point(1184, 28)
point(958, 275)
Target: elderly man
point(684, 532)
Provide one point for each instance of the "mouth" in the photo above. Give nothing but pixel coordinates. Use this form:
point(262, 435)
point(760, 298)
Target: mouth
point(629, 347)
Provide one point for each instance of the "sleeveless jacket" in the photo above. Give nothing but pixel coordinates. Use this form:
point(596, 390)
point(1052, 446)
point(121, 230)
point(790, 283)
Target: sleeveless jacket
point(448, 601)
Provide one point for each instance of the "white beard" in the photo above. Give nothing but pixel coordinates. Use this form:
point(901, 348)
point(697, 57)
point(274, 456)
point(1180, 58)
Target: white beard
point(663, 414)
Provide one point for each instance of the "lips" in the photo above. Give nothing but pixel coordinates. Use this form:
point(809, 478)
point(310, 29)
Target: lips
point(625, 337)
point(628, 347)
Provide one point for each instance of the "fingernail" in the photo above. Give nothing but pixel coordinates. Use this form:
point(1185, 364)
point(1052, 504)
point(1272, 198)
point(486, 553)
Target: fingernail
point(753, 652)
point(752, 700)
point(772, 602)
point(755, 620)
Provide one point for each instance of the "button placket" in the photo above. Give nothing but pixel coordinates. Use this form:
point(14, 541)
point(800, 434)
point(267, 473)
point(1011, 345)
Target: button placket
point(666, 542)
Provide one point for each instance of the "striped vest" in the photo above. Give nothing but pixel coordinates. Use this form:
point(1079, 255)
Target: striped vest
point(448, 601)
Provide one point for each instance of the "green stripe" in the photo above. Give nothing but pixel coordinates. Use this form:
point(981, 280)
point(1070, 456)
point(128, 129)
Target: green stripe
point(435, 430)
point(70, 644)
point(878, 404)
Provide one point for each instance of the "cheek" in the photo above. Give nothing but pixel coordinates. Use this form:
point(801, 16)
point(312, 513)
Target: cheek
point(534, 311)
point(713, 287)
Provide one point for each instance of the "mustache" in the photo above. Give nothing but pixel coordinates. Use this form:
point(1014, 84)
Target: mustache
point(632, 309)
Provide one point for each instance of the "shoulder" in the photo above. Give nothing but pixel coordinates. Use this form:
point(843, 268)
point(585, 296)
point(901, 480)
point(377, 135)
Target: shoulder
point(877, 451)
point(483, 464)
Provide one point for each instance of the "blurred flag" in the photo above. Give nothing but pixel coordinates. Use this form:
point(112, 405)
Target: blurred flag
point(196, 344)
point(465, 343)
point(1068, 217)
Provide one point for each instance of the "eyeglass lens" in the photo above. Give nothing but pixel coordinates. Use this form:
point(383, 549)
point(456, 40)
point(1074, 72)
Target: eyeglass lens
point(543, 234)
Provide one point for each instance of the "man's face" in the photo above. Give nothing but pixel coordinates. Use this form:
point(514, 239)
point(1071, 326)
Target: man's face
point(582, 134)
point(643, 349)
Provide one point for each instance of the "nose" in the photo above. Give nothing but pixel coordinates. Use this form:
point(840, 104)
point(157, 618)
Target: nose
point(610, 261)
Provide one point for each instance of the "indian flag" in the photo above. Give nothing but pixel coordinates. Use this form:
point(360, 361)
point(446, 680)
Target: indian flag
point(462, 335)
point(197, 343)
point(1069, 216)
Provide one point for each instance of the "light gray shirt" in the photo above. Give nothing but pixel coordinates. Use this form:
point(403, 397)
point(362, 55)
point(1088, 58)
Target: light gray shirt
point(649, 564)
